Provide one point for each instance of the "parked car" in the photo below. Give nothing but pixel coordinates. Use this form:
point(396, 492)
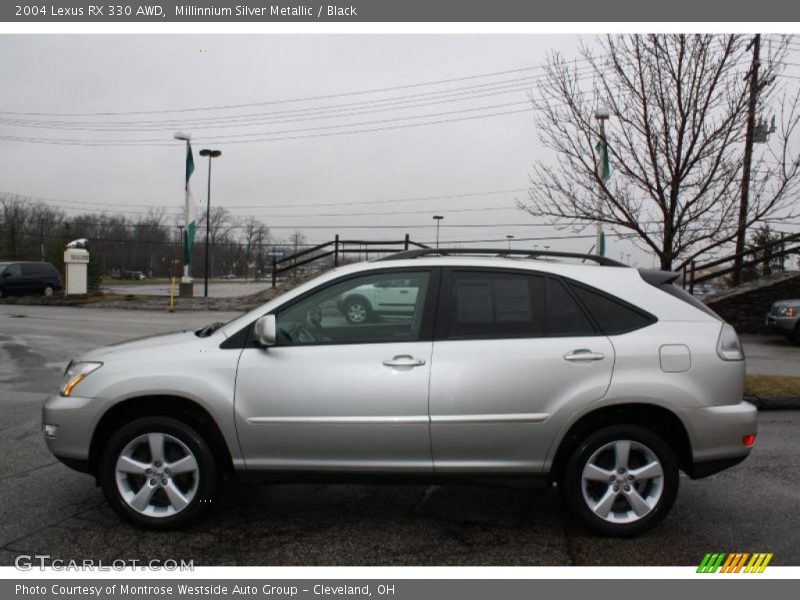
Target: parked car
point(229, 276)
point(784, 318)
point(28, 278)
point(600, 379)
point(390, 297)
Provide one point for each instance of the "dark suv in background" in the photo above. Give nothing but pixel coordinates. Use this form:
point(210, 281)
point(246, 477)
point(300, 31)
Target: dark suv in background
point(28, 278)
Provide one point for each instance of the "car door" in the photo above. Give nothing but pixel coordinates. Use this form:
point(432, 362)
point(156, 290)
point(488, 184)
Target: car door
point(511, 348)
point(13, 281)
point(396, 296)
point(336, 395)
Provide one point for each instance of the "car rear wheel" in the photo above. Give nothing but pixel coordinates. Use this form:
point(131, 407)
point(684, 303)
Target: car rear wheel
point(158, 473)
point(621, 480)
point(357, 310)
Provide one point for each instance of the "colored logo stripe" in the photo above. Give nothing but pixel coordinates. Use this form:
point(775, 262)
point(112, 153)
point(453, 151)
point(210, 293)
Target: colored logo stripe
point(734, 562)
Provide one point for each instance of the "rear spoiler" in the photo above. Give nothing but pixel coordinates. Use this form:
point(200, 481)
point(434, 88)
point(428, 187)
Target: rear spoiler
point(658, 278)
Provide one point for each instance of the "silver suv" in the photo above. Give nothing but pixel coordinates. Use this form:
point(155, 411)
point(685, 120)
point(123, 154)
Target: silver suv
point(784, 318)
point(599, 379)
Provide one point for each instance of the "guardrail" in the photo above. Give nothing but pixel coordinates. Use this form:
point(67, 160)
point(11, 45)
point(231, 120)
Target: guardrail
point(785, 246)
point(336, 248)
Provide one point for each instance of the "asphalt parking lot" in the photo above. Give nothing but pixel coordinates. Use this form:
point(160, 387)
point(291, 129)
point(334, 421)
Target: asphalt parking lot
point(47, 509)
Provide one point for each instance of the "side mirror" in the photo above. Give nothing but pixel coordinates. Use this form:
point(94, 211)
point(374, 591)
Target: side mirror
point(265, 330)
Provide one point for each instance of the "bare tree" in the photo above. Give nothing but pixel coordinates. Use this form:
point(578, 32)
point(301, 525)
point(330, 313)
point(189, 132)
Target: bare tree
point(254, 235)
point(678, 107)
point(220, 224)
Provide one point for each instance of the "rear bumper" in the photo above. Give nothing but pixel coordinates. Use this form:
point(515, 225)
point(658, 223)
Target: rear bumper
point(717, 433)
point(709, 467)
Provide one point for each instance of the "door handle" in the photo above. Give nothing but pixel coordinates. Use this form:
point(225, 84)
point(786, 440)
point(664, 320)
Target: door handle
point(583, 355)
point(404, 360)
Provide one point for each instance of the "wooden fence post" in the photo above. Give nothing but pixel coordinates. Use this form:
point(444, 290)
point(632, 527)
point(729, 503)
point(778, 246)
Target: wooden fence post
point(336, 251)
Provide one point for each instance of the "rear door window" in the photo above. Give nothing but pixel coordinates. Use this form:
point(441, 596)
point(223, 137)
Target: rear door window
point(485, 304)
point(565, 317)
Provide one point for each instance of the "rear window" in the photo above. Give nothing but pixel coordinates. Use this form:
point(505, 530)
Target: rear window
point(611, 314)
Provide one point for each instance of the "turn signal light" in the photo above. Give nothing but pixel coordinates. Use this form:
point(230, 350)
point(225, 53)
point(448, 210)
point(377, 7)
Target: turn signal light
point(749, 440)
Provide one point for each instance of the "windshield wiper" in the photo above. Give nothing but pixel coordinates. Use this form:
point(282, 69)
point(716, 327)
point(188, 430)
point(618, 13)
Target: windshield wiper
point(208, 329)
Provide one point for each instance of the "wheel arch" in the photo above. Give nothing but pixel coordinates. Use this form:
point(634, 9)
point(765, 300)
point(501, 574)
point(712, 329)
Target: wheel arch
point(177, 407)
point(661, 421)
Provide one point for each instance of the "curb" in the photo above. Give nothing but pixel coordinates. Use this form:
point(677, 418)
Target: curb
point(788, 403)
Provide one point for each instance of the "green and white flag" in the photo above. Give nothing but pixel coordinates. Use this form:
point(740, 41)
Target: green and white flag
point(191, 225)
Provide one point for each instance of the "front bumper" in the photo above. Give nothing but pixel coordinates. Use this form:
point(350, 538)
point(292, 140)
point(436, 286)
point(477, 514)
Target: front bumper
point(781, 325)
point(74, 419)
point(717, 434)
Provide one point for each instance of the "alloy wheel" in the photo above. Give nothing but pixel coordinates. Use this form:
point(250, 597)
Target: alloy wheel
point(622, 481)
point(157, 475)
point(356, 312)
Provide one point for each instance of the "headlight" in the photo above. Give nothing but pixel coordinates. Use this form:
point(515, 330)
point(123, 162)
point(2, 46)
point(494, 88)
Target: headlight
point(75, 373)
point(786, 311)
point(728, 346)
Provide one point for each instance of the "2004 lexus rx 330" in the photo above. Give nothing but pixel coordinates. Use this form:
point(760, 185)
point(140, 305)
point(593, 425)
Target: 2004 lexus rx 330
point(601, 379)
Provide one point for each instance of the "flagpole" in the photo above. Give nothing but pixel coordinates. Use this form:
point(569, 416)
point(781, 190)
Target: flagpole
point(186, 287)
point(601, 115)
point(187, 277)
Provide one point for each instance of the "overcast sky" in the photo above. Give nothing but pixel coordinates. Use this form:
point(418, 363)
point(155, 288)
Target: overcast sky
point(151, 75)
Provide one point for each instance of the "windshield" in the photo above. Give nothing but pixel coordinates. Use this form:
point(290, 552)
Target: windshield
point(3, 266)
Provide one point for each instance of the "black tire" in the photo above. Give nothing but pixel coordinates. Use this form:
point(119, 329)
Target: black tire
point(48, 290)
point(661, 491)
point(795, 337)
point(352, 312)
point(202, 484)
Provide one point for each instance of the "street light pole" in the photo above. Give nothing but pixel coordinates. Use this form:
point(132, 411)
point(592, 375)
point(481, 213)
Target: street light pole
point(509, 238)
point(210, 154)
point(438, 219)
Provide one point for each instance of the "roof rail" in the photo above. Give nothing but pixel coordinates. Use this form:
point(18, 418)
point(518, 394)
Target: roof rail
point(501, 252)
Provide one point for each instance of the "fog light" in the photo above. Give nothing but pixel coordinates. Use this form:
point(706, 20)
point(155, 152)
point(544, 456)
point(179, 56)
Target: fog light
point(50, 430)
point(749, 440)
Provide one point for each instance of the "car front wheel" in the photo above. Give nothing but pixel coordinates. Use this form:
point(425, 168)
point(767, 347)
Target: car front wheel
point(48, 290)
point(357, 311)
point(158, 473)
point(621, 480)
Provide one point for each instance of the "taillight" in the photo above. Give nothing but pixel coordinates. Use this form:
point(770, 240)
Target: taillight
point(749, 440)
point(728, 345)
